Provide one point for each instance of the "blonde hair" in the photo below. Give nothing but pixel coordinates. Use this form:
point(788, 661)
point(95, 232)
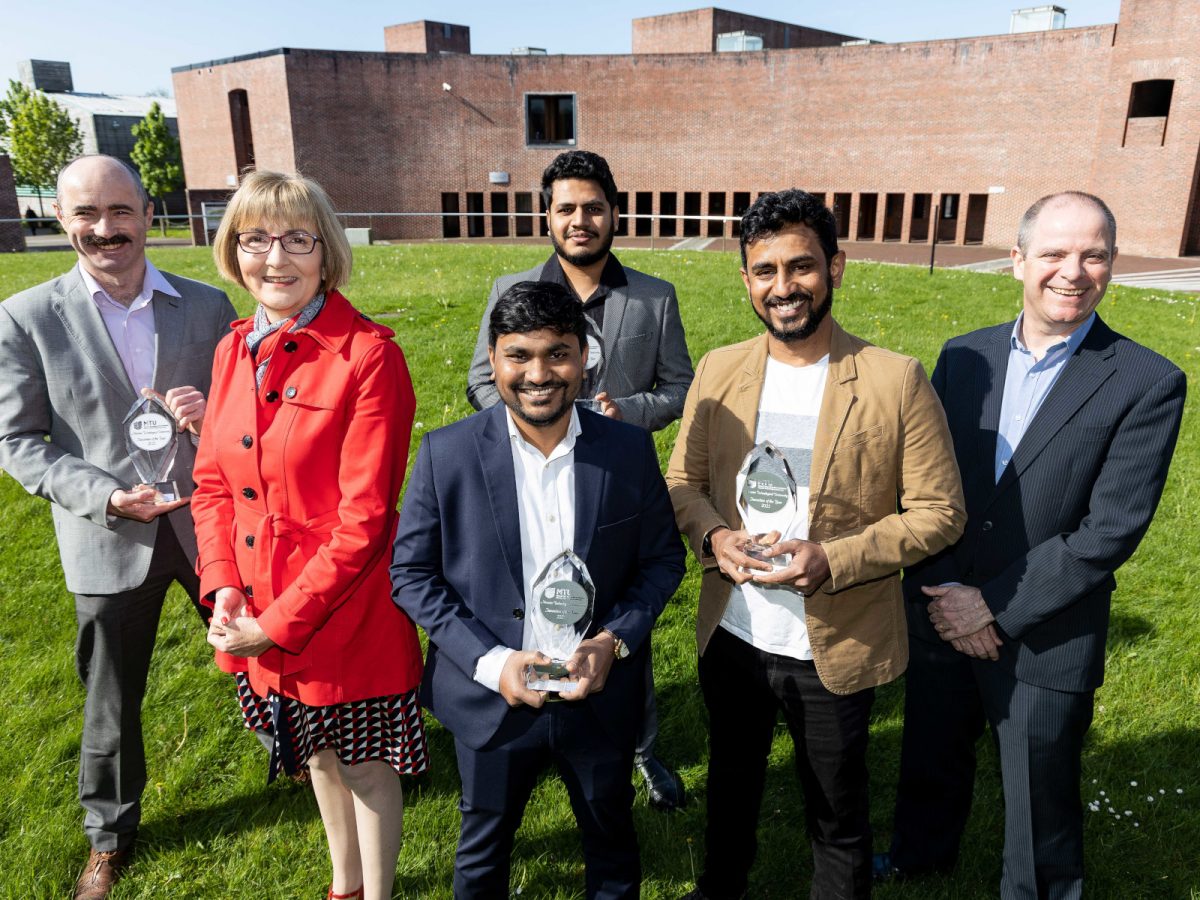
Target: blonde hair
point(293, 201)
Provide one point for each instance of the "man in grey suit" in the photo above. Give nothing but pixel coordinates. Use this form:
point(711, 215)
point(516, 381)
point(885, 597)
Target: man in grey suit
point(638, 367)
point(1063, 430)
point(77, 353)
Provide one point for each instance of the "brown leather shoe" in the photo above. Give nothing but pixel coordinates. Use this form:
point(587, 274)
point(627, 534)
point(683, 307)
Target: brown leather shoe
point(103, 869)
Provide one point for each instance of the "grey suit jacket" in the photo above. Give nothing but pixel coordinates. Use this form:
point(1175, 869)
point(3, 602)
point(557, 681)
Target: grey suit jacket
point(63, 397)
point(648, 370)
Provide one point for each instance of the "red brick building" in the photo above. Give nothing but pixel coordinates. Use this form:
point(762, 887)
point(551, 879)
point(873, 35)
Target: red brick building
point(978, 127)
point(12, 239)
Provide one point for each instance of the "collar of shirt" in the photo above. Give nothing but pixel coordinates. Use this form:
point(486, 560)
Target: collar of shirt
point(152, 281)
point(612, 276)
point(1070, 343)
point(565, 446)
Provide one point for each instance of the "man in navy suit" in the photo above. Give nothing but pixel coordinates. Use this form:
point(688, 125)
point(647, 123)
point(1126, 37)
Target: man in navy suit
point(491, 500)
point(1064, 431)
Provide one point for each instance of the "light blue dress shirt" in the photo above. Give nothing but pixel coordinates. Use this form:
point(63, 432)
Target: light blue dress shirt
point(1026, 384)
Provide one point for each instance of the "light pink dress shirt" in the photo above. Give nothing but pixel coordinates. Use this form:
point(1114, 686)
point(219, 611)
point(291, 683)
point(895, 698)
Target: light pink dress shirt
point(132, 327)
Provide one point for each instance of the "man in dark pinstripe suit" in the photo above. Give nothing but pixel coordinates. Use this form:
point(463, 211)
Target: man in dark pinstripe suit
point(1063, 430)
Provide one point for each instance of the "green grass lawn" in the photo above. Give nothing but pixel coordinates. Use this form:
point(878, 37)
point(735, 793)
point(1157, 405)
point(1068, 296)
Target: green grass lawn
point(212, 829)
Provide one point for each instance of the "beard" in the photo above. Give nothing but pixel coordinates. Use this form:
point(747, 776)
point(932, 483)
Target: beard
point(545, 415)
point(802, 332)
point(585, 258)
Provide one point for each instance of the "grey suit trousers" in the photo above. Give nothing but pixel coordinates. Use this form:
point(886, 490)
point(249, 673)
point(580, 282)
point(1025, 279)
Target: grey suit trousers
point(112, 656)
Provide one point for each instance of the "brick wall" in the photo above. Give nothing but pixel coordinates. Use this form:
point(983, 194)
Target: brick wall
point(12, 239)
point(1007, 118)
point(427, 37)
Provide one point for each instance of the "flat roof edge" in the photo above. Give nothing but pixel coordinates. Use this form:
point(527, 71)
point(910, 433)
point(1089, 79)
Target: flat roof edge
point(278, 51)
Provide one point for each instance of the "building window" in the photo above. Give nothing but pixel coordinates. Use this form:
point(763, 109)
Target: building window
point(550, 119)
point(645, 211)
point(736, 41)
point(243, 137)
point(451, 225)
point(499, 215)
point(475, 214)
point(1151, 99)
point(691, 209)
point(667, 211)
point(623, 206)
point(524, 214)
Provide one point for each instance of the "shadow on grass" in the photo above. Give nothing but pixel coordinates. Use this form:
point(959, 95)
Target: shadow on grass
point(1126, 629)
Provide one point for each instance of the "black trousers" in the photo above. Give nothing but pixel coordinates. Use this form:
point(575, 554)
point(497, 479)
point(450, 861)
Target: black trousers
point(745, 689)
point(498, 779)
point(113, 646)
point(1039, 733)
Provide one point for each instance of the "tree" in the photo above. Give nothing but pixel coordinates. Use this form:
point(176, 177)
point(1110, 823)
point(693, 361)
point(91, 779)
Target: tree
point(156, 154)
point(38, 135)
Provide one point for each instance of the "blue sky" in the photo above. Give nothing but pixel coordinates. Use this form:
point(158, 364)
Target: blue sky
point(131, 47)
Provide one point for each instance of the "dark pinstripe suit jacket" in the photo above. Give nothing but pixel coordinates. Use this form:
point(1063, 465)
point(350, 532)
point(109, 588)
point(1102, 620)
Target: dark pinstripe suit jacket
point(1071, 507)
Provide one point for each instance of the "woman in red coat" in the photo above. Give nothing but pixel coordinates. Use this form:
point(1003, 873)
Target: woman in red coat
point(297, 477)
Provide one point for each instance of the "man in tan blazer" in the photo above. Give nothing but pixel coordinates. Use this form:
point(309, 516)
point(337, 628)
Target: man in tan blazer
point(877, 488)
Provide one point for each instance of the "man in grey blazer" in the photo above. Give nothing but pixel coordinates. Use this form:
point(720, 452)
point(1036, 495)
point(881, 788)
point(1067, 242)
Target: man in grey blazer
point(1064, 431)
point(77, 352)
point(638, 367)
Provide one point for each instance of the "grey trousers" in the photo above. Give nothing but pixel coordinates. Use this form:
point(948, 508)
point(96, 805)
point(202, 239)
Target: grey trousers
point(112, 656)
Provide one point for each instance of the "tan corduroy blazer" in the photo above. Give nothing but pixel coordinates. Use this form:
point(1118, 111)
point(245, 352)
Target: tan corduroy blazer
point(884, 493)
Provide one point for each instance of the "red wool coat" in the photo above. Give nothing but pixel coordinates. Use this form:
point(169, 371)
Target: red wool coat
point(295, 501)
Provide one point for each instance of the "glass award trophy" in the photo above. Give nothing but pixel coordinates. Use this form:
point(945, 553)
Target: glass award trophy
point(766, 498)
point(152, 439)
point(564, 599)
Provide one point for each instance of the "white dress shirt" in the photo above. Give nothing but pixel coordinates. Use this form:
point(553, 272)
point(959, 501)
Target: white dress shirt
point(546, 521)
point(131, 326)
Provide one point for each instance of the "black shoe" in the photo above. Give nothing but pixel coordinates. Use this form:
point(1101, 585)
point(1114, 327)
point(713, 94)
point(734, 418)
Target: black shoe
point(663, 785)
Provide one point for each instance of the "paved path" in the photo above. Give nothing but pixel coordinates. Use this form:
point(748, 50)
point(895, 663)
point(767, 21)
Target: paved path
point(1165, 279)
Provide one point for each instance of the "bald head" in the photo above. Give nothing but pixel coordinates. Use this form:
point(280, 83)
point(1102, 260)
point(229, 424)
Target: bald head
point(89, 169)
point(1063, 198)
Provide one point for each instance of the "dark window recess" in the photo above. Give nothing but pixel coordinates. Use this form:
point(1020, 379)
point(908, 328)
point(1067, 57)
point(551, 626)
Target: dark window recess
point(623, 206)
point(524, 209)
point(550, 119)
point(741, 203)
point(691, 207)
point(499, 214)
point(243, 136)
point(947, 228)
point(474, 214)
point(841, 213)
point(976, 218)
point(716, 207)
point(868, 207)
point(644, 201)
point(451, 223)
point(918, 231)
point(543, 228)
point(820, 195)
point(1151, 99)
point(893, 217)
point(666, 211)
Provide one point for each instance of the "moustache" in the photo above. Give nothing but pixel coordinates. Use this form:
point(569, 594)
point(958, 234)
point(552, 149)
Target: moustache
point(794, 296)
point(586, 231)
point(539, 387)
point(104, 243)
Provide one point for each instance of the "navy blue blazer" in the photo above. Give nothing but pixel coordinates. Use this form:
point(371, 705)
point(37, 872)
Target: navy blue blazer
point(1042, 544)
point(456, 568)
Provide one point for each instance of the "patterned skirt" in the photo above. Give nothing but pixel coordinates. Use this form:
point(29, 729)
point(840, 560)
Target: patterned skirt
point(388, 729)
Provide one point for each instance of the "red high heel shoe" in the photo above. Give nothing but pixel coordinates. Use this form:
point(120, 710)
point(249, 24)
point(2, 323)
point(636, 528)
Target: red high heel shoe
point(353, 895)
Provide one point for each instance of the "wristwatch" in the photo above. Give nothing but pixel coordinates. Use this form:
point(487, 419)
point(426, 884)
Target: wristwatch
point(620, 648)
